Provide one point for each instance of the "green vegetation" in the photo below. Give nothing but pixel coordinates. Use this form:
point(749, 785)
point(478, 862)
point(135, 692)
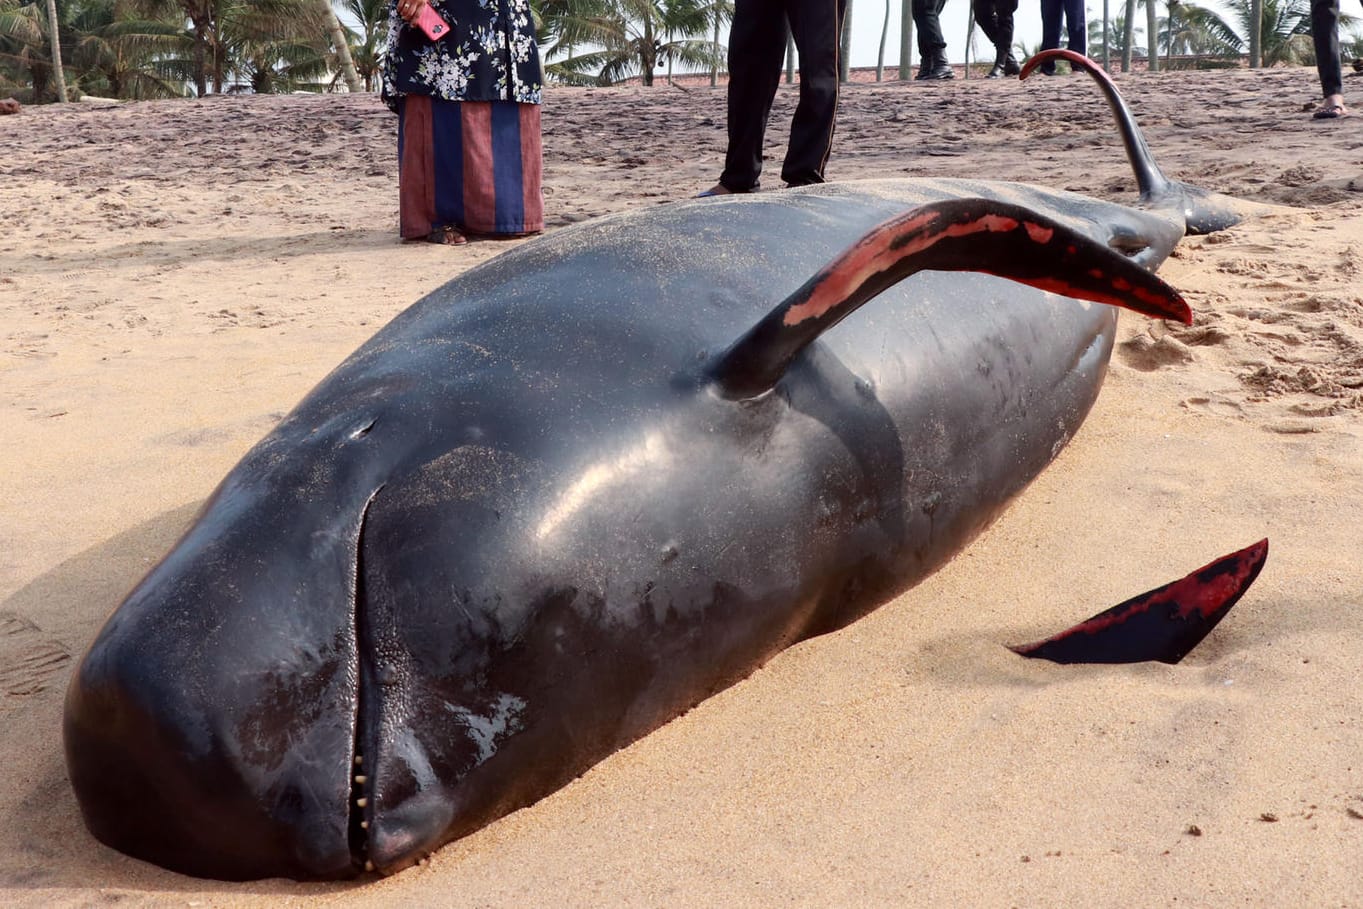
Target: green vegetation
point(601, 42)
point(1197, 36)
point(1116, 37)
point(167, 48)
point(135, 49)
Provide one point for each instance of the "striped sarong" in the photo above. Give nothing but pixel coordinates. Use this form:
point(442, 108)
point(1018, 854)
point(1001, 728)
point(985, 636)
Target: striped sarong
point(473, 165)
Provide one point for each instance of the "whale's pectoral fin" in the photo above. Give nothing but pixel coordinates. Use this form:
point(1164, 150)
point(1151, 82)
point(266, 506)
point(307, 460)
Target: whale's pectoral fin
point(980, 235)
point(1163, 624)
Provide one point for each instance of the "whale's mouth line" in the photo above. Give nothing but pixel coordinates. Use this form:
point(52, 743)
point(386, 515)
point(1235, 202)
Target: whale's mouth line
point(360, 810)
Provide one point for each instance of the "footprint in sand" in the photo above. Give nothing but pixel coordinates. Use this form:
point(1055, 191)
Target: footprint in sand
point(28, 658)
point(1148, 354)
point(1201, 335)
point(1218, 405)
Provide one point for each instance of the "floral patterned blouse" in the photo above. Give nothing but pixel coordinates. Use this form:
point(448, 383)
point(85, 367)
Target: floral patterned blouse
point(489, 54)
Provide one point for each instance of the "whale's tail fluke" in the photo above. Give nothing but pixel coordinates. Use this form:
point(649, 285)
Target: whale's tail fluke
point(1163, 624)
point(980, 235)
point(1203, 212)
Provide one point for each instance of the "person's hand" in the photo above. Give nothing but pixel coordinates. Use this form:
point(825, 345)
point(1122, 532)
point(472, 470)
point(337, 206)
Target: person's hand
point(410, 9)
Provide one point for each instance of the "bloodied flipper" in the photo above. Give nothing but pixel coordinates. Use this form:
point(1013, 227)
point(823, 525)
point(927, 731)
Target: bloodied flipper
point(1163, 624)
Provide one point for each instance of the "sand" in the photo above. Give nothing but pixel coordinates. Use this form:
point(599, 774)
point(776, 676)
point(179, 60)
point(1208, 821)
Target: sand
point(175, 275)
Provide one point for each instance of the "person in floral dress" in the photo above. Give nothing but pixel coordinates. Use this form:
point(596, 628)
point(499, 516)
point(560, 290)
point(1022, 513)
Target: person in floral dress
point(468, 106)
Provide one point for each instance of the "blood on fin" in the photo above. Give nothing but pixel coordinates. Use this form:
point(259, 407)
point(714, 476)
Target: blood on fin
point(979, 235)
point(1163, 624)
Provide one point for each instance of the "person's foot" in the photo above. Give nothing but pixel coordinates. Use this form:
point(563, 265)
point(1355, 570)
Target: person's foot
point(934, 66)
point(448, 235)
point(1004, 66)
point(719, 189)
point(938, 72)
point(1332, 109)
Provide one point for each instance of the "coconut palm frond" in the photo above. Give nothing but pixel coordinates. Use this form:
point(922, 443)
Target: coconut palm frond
point(606, 41)
point(1116, 36)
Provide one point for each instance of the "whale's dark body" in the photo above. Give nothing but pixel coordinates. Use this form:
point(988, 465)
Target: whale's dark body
point(523, 526)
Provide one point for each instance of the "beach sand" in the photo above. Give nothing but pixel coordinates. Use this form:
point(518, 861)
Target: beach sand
point(174, 276)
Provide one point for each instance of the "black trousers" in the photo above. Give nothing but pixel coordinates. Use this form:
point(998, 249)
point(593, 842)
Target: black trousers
point(1325, 34)
point(927, 19)
point(1075, 27)
point(757, 49)
point(995, 18)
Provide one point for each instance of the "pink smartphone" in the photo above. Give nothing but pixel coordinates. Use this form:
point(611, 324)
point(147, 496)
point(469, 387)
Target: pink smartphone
point(429, 21)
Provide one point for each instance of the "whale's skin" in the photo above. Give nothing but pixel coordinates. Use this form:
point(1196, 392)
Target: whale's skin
point(519, 528)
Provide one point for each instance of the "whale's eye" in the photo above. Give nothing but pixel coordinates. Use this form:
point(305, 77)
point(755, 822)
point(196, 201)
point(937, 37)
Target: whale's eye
point(362, 430)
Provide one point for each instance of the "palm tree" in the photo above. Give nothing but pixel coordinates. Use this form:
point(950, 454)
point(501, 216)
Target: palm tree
point(1117, 36)
point(366, 46)
point(627, 37)
point(905, 38)
point(715, 13)
point(152, 48)
point(1192, 30)
point(118, 56)
point(1152, 29)
point(55, 43)
point(21, 48)
point(1283, 21)
point(1128, 34)
point(340, 45)
point(226, 34)
point(1256, 17)
point(30, 48)
point(884, 34)
point(283, 67)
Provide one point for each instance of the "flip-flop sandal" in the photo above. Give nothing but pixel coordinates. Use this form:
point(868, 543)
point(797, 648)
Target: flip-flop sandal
point(1330, 112)
point(447, 235)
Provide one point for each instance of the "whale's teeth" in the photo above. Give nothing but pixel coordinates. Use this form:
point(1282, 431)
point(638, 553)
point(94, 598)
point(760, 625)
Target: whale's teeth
point(368, 865)
point(361, 779)
point(364, 825)
point(359, 759)
point(362, 802)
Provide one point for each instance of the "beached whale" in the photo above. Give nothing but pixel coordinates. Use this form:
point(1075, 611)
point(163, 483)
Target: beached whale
point(585, 485)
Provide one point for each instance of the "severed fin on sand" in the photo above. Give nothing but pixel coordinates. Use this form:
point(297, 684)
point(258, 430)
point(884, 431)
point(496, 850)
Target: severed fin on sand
point(1163, 624)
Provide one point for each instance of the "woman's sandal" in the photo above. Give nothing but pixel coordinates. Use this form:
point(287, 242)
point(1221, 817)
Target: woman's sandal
point(1330, 112)
point(447, 235)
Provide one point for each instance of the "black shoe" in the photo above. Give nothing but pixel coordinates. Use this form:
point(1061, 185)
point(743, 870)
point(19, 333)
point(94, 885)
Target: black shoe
point(934, 66)
point(1011, 67)
point(939, 70)
point(997, 72)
